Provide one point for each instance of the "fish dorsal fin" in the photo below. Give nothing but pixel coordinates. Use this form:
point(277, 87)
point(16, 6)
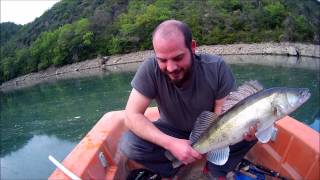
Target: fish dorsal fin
point(219, 156)
point(248, 88)
point(204, 120)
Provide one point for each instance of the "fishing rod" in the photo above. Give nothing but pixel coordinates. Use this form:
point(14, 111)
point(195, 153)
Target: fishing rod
point(63, 169)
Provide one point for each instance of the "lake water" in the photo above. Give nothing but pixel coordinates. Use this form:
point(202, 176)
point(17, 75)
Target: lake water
point(51, 118)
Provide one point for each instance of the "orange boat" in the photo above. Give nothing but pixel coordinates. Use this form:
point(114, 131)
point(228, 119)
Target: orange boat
point(293, 152)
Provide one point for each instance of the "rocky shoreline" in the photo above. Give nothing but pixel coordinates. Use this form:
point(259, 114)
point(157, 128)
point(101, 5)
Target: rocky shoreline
point(130, 62)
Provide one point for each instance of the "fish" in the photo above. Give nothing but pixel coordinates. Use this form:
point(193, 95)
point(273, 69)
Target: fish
point(250, 105)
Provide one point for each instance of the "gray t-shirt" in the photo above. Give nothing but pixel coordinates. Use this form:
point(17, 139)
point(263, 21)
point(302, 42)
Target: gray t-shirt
point(210, 79)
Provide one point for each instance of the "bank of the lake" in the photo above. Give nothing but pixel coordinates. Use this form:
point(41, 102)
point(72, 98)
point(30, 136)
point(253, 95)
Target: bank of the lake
point(128, 62)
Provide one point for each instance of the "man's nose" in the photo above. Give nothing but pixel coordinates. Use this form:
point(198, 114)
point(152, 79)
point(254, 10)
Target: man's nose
point(171, 66)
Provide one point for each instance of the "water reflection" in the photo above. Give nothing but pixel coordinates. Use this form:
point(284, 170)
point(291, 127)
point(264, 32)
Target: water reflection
point(31, 161)
point(51, 118)
point(316, 123)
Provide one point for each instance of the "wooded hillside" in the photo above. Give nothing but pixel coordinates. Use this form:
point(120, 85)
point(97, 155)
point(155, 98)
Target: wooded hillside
point(75, 30)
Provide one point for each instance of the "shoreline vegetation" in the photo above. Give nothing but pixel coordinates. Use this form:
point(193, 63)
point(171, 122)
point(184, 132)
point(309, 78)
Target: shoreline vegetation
point(130, 61)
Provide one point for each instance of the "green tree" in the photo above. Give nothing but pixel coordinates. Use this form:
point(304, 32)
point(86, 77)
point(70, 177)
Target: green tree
point(274, 15)
point(74, 43)
point(24, 61)
point(114, 45)
point(8, 70)
point(136, 26)
point(8, 31)
point(42, 49)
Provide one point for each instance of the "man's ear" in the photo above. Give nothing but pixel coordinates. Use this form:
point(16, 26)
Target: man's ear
point(193, 46)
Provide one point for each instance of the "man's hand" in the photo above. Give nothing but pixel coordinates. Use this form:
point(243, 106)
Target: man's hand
point(250, 135)
point(182, 150)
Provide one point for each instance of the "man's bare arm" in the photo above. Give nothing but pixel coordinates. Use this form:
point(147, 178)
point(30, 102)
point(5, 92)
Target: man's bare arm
point(139, 124)
point(144, 128)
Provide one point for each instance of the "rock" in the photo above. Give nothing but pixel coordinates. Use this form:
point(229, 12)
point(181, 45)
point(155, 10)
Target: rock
point(104, 59)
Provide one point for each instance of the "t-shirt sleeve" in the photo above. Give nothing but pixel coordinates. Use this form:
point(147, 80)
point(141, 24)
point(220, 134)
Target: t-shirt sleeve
point(226, 80)
point(144, 79)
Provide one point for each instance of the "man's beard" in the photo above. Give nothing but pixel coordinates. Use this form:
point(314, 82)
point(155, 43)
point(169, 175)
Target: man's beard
point(181, 82)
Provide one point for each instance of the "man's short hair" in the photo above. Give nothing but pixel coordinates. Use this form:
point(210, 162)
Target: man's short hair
point(182, 27)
